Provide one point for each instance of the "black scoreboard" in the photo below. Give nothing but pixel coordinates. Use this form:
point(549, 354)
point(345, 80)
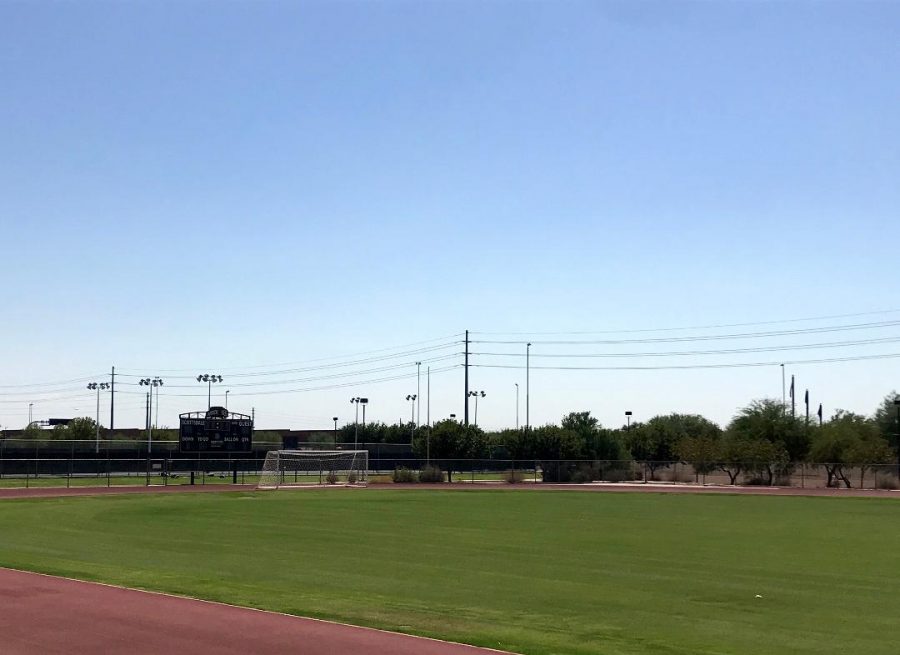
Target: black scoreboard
point(215, 431)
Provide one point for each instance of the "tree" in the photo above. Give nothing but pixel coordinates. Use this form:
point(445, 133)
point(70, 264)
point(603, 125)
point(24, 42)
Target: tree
point(451, 441)
point(598, 443)
point(81, 429)
point(655, 442)
point(33, 431)
point(848, 439)
point(886, 418)
point(769, 420)
point(701, 452)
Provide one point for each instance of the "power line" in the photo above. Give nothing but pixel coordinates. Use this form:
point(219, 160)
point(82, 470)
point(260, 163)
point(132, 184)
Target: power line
point(708, 337)
point(701, 327)
point(726, 351)
point(695, 366)
point(380, 369)
point(342, 385)
point(229, 370)
point(320, 367)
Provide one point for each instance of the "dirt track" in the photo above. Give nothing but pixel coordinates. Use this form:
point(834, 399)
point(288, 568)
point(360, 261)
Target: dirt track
point(47, 615)
point(54, 492)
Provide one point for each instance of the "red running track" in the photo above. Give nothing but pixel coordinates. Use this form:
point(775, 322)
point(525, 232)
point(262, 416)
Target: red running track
point(46, 615)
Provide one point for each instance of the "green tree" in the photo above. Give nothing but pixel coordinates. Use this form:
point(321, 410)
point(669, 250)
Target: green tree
point(33, 431)
point(597, 442)
point(81, 429)
point(848, 440)
point(450, 441)
point(886, 418)
point(770, 421)
point(701, 452)
point(655, 442)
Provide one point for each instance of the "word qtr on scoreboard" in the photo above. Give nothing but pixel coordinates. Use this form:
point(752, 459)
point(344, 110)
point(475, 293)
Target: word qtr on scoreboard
point(215, 430)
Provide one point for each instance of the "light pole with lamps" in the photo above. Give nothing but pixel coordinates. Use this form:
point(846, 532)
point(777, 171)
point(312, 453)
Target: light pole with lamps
point(99, 386)
point(628, 419)
point(335, 419)
point(30, 419)
point(418, 392)
point(476, 395)
point(412, 416)
point(209, 378)
point(227, 391)
point(358, 401)
point(153, 383)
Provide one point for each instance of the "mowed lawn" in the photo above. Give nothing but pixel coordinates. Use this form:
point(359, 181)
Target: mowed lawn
point(534, 572)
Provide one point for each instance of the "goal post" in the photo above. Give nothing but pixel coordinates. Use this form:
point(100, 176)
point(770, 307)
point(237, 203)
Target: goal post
point(289, 468)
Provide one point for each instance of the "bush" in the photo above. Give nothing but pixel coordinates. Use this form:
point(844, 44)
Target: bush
point(431, 474)
point(679, 474)
point(381, 479)
point(351, 479)
point(885, 481)
point(404, 476)
point(331, 478)
point(513, 476)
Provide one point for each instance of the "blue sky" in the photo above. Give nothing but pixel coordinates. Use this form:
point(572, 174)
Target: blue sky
point(209, 186)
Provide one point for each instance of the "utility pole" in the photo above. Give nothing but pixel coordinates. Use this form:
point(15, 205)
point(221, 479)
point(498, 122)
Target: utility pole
point(527, 386)
point(466, 393)
point(112, 400)
point(428, 403)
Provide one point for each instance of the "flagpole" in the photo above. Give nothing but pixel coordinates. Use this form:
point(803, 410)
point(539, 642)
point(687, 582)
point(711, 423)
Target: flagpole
point(793, 399)
point(807, 406)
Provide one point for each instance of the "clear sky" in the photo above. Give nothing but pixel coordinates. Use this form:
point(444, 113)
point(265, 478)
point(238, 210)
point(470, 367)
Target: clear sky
point(210, 186)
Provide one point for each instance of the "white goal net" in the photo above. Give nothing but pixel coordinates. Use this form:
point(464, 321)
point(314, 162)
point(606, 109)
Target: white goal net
point(284, 468)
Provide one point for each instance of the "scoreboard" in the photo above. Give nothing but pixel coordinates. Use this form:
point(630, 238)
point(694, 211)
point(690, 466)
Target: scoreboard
point(215, 431)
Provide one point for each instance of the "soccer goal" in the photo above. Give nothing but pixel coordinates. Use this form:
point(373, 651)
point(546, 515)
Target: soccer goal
point(288, 468)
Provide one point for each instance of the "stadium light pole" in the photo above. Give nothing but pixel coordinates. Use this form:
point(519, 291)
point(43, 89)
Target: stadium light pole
point(412, 417)
point(628, 419)
point(209, 378)
point(153, 383)
point(227, 391)
point(476, 395)
point(98, 386)
point(30, 419)
point(358, 401)
point(418, 392)
point(335, 419)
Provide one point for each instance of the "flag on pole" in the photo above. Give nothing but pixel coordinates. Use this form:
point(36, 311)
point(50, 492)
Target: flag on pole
point(820, 413)
point(792, 387)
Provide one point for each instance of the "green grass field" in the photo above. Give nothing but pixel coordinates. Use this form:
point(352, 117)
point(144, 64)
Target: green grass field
point(529, 571)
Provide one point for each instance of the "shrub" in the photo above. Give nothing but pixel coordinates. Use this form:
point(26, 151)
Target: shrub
point(381, 479)
point(679, 475)
point(351, 479)
point(431, 474)
point(331, 478)
point(404, 475)
point(885, 482)
point(513, 476)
